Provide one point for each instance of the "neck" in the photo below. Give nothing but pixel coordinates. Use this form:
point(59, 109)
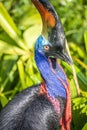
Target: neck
point(51, 72)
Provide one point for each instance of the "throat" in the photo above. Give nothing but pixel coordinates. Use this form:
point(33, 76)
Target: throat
point(51, 73)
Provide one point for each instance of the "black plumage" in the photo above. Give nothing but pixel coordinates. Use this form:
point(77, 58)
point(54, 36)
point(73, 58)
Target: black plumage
point(28, 111)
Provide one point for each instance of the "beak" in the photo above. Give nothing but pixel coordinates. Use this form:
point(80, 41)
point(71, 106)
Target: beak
point(63, 56)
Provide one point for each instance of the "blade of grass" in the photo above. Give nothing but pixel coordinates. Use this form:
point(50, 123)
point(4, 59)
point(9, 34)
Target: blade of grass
point(9, 77)
point(4, 100)
point(73, 70)
point(85, 38)
point(81, 63)
point(85, 127)
point(78, 73)
point(21, 72)
point(10, 28)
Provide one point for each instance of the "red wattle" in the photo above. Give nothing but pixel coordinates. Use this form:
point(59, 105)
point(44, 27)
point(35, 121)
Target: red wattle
point(67, 115)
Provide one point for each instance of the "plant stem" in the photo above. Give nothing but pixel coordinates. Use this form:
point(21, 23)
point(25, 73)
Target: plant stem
point(73, 70)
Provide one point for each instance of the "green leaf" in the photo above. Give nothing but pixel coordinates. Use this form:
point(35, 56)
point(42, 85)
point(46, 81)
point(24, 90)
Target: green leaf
point(73, 89)
point(85, 127)
point(31, 35)
point(21, 72)
point(32, 20)
point(85, 38)
point(6, 48)
point(80, 75)
point(10, 28)
point(7, 73)
point(7, 23)
point(4, 100)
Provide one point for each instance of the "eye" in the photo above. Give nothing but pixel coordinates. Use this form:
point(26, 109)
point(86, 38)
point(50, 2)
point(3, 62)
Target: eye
point(46, 47)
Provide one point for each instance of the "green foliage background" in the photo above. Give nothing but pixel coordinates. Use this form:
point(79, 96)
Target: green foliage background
point(20, 25)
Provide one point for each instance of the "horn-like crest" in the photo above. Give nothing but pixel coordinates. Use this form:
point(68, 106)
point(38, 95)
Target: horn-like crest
point(52, 27)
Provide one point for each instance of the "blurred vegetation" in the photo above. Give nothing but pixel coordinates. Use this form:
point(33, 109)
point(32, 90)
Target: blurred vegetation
point(20, 25)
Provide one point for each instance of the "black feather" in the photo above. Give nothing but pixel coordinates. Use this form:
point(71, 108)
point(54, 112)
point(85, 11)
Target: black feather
point(30, 111)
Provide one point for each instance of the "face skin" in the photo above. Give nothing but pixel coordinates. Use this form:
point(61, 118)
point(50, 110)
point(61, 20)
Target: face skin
point(49, 50)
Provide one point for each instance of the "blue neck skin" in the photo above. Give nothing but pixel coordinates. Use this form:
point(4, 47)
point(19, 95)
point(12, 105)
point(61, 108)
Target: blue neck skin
point(54, 86)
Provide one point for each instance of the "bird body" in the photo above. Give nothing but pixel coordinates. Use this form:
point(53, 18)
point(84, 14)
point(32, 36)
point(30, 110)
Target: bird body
point(43, 106)
point(32, 112)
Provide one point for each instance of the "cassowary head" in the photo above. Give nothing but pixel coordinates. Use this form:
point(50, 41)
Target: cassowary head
point(52, 41)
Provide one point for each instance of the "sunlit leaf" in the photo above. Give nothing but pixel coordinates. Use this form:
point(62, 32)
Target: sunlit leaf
point(85, 127)
point(9, 26)
point(3, 100)
point(7, 23)
point(31, 34)
point(81, 63)
point(80, 75)
point(85, 37)
point(73, 89)
point(21, 72)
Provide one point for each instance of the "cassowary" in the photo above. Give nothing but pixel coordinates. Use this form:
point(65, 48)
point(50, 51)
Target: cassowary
point(45, 106)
